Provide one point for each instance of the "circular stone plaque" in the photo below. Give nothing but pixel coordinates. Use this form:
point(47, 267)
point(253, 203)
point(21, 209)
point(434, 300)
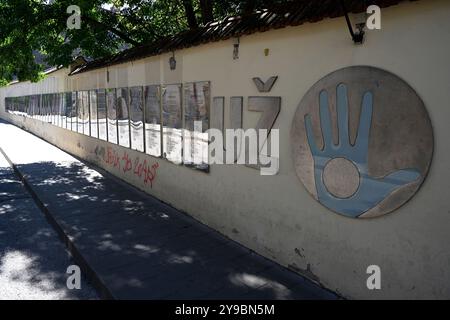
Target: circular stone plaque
point(362, 141)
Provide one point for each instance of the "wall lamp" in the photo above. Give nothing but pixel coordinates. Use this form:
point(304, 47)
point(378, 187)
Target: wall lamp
point(358, 34)
point(172, 62)
point(236, 43)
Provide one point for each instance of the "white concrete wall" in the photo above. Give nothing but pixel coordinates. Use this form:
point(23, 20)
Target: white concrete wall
point(275, 215)
point(56, 81)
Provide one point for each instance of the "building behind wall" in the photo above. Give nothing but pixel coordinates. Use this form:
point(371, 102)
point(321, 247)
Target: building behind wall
point(273, 215)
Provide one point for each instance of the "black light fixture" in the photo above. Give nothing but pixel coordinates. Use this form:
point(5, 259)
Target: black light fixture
point(236, 42)
point(358, 35)
point(172, 62)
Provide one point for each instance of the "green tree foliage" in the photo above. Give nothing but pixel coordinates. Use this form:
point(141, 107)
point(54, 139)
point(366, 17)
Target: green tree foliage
point(28, 27)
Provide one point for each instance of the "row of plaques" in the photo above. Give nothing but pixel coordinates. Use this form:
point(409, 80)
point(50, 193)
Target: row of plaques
point(157, 120)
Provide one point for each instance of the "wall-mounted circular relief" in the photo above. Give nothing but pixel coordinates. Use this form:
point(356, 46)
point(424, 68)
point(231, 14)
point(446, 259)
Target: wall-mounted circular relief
point(362, 141)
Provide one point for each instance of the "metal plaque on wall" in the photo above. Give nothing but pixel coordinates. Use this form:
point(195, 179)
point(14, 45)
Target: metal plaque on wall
point(152, 114)
point(111, 109)
point(137, 118)
point(102, 114)
point(123, 117)
point(93, 113)
point(197, 100)
point(172, 123)
point(362, 142)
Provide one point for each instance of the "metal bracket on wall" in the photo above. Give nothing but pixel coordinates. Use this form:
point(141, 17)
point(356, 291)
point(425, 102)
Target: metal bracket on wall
point(357, 37)
point(236, 43)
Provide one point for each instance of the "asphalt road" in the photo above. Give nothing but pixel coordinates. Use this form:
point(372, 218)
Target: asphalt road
point(33, 260)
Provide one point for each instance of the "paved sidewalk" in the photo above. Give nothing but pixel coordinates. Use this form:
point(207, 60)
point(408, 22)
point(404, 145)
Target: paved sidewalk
point(136, 247)
point(33, 261)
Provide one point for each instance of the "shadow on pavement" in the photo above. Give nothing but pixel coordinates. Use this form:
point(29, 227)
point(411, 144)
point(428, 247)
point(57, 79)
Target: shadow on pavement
point(142, 248)
point(33, 261)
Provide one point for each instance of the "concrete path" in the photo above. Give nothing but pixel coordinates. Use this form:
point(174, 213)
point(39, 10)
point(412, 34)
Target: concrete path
point(133, 246)
point(33, 261)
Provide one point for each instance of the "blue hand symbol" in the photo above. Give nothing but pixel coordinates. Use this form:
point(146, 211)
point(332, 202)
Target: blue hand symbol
point(370, 190)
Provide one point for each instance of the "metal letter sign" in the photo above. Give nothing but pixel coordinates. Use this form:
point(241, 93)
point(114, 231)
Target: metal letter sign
point(362, 142)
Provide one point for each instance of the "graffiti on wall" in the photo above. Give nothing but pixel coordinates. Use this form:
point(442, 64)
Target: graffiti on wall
point(122, 161)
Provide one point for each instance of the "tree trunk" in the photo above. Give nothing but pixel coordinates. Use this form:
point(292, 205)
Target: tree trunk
point(249, 7)
point(190, 14)
point(94, 23)
point(207, 11)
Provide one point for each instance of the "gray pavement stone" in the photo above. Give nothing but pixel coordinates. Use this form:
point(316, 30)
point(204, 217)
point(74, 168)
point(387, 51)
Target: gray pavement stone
point(33, 260)
point(141, 248)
